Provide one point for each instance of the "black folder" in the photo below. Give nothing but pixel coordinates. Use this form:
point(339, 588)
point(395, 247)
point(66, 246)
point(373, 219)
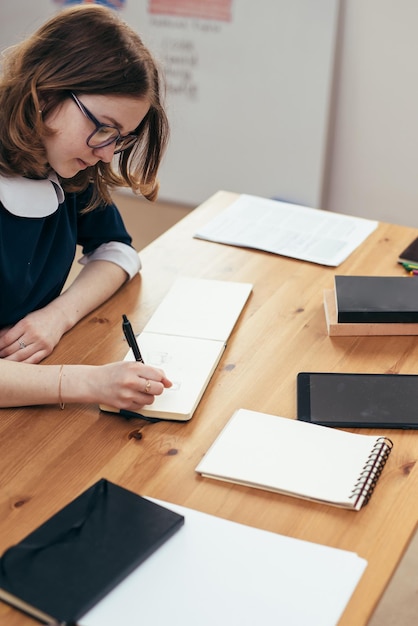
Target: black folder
point(63, 568)
point(376, 299)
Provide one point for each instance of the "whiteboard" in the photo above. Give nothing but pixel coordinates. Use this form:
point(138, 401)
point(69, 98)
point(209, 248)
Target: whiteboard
point(248, 90)
point(248, 95)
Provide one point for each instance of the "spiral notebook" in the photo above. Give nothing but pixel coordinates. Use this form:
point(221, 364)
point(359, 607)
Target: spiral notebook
point(297, 459)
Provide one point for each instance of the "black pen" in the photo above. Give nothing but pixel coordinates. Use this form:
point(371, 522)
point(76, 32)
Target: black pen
point(131, 339)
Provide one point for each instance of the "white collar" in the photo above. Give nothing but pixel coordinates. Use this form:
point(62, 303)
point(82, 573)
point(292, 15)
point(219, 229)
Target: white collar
point(26, 197)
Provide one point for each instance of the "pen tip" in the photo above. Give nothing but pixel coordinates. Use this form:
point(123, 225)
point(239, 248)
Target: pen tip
point(125, 319)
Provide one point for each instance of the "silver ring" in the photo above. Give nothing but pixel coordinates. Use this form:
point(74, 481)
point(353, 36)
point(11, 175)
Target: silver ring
point(21, 344)
point(147, 386)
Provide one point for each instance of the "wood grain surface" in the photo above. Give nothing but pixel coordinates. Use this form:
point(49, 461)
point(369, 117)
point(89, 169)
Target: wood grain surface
point(48, 455)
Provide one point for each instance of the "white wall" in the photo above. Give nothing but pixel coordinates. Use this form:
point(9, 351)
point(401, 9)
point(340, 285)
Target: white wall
point(248, 98)
point(373, 156)
point(21, 17)
point(372, 160)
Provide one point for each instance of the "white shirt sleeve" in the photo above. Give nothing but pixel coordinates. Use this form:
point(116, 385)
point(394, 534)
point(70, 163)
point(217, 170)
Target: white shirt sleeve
point(116, 252)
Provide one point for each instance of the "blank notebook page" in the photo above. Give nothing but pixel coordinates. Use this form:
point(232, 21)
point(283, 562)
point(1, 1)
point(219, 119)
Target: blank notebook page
point(289, 456)
point(198, 307)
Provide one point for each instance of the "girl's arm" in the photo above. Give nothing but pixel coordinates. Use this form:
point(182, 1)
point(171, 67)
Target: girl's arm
point(125, 385)
point(41, 330)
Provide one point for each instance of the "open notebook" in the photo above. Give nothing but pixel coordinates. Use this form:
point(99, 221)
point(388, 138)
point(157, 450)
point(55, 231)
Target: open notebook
point(186, 337)
point(297, 459)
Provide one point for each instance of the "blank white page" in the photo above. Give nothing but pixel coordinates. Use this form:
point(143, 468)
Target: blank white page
point(214, 572)
point(199, 307)
point(289, 456)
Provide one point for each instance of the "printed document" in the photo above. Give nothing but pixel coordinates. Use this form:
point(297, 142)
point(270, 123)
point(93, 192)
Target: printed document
point(287, 229)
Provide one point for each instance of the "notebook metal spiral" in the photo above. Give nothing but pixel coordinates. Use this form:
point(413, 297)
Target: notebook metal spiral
point(372, 469)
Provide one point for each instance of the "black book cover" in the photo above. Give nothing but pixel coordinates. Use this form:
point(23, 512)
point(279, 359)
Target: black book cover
point(376, 299)
point(63, 568)
point(410, 254)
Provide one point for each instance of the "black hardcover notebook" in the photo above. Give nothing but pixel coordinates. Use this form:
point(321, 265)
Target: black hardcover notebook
point(376, 299)
point(63, 568)
point(410, 254)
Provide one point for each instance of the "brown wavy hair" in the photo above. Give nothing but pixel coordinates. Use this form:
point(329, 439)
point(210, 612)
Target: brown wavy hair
point(89, 50)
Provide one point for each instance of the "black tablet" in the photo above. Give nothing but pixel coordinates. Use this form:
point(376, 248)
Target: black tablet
point(358, 400)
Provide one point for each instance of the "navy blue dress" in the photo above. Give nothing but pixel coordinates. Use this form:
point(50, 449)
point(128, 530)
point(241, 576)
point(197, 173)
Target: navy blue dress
point(36, 253)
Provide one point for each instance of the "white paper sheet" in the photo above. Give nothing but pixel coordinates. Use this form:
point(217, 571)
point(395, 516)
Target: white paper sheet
point(287, 229)
point(216, 572)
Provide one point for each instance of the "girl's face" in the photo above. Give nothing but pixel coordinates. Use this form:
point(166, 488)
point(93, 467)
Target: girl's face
point(67, 150)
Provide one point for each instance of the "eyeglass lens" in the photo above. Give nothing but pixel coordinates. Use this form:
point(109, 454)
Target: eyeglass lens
point(105, 135)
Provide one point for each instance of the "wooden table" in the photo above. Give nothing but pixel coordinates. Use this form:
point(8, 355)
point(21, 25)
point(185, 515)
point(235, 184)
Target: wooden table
point(48, 456)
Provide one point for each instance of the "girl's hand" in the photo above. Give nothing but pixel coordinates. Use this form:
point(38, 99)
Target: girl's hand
point(125, 385)
point(32, 338)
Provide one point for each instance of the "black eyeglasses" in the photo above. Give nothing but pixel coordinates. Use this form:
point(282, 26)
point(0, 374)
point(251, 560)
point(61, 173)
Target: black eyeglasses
point(104, 134)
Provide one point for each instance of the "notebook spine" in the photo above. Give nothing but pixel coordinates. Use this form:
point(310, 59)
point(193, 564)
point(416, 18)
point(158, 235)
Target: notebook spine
point(369, 476)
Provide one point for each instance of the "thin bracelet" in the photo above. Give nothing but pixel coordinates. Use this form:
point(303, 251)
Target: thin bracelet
point(62, 404)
